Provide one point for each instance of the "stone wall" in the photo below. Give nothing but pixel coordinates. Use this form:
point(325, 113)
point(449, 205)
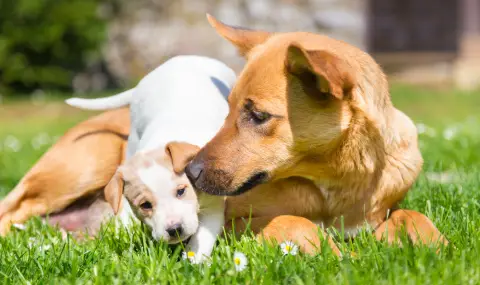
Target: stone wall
point(143, 34)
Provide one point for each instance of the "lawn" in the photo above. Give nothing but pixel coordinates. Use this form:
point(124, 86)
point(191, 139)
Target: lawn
point(447, 191)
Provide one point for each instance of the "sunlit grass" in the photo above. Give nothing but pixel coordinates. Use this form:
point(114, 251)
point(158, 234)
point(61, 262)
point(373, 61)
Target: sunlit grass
point(448, 192)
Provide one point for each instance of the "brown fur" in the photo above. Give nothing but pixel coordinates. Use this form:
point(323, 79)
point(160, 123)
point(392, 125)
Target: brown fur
point(180, 154)
point(299, 230)
point(418, 228)
point(334, 145)
point(79, 164)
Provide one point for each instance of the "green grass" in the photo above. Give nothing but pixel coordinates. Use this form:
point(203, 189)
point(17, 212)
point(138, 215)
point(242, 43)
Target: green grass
point(447, 192)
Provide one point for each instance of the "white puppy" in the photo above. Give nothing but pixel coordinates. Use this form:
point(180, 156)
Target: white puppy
point(182, 101)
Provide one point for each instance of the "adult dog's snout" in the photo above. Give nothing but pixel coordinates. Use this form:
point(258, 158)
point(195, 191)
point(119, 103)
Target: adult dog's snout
point(204, 178)
point(208, 174)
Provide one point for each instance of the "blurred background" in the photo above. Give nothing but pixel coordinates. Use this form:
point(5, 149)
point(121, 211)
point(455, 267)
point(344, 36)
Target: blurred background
point(82, 46)
point(54, 49)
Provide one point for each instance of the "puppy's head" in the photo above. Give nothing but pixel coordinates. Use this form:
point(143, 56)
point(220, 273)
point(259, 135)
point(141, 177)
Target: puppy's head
point(158, 191)
point(291, 105)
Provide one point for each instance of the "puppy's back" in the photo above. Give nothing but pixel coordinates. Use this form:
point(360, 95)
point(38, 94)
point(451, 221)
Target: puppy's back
point(183, 99)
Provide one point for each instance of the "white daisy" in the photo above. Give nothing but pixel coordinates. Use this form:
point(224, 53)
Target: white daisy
point(289, 247)
point(189, 255)
point(240, 261)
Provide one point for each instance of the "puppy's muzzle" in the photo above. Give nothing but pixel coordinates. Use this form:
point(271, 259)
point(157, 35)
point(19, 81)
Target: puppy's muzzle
point(175, 230)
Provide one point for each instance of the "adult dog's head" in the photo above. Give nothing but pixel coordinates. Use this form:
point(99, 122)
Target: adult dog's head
point(291, 107)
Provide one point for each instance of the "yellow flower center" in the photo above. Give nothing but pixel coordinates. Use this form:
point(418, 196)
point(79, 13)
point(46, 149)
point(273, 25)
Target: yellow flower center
point(288, 248)
point(237, 261)
point(190, 254)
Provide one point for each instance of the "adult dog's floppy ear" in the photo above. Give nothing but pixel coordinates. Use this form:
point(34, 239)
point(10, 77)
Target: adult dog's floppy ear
point(243, 39)
point(320, 70)
point(114, 191)
point(181, 154)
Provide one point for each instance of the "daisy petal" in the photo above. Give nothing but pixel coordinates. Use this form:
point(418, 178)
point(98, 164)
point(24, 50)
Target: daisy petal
point(289, 248)
point(188, 255)
point(240, 261)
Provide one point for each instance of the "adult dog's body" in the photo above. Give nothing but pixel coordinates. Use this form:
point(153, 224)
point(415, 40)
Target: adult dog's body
point(312, 129)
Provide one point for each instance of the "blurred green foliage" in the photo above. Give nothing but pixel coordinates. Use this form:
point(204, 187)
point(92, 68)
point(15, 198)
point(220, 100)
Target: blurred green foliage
point(43, 43)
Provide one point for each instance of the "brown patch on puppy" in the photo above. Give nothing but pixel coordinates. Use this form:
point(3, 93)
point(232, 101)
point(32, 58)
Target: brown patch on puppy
point(181, 154)
point(113, 191)
point(126, 181)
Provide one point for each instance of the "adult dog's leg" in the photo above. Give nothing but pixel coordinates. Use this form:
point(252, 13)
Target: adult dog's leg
point(79, 164)
point(27, 208)
point(417, 226)
point(299, 230)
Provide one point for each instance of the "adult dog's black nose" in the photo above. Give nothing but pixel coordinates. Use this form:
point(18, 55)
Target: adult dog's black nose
point(175, 230)
point(194, 169)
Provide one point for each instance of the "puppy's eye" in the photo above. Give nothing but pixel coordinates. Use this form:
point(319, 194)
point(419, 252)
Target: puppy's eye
point(146, 206)
point(181, 191)
point(259, 117)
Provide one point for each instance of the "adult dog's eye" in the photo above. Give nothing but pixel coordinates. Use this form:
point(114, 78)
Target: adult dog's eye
point(259, 117)
point(181, 191)
point(146, 206)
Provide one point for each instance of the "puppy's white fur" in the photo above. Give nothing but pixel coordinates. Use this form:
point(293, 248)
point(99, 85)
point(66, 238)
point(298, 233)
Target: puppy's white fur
point(184, 100)
point(169, 210)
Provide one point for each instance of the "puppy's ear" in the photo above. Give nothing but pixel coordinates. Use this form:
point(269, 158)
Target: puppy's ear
point(243, 39)
point(114, 191)
point(319, 71)
point(181, 154)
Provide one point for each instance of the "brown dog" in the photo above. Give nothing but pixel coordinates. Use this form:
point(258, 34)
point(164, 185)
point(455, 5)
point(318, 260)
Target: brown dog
point(312, 128)
point(74, 169)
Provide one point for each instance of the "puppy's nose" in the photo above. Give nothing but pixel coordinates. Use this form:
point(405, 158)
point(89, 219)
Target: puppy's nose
point(175, 230)
point(194, 169)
